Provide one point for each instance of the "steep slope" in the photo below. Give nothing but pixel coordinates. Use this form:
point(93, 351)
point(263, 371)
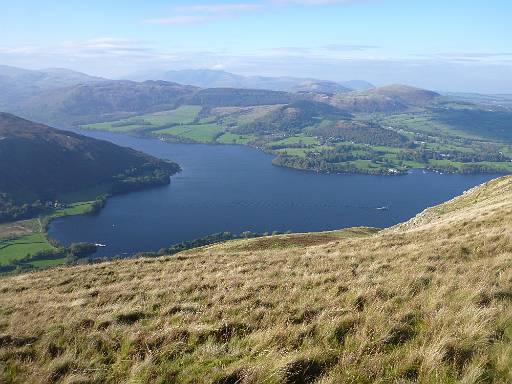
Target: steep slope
point(41, 163)
point(428, 301)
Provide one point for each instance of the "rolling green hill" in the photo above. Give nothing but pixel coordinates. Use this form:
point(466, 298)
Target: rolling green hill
point(426, 301)
point(384, 131)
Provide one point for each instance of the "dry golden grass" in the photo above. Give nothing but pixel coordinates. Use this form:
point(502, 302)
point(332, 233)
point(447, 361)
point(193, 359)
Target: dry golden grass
point(19, 228)
point(427, 301)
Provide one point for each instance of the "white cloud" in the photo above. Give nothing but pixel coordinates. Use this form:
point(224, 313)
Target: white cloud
point(181, 19)
point(220, 8)
point(349, 47)
point(204, 12)
point(114, 57)
point(100, 47)
point(315, 2)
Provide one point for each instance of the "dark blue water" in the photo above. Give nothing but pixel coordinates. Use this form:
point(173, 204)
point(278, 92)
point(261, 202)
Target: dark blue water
point(236, 188)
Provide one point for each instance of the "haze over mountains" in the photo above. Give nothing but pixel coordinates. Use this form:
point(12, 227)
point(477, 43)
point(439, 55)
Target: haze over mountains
point(208, 78)
point(17, 84)
point(63, 97)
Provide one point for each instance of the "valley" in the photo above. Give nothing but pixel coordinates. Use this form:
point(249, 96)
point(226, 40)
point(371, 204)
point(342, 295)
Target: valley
point(256, 192)
point(439, 135)
point(235, 188)
point(330, 129)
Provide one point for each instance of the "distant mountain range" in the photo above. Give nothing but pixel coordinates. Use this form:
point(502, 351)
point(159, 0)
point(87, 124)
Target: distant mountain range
point(208, 78)
point(16, 84)
point(65, 98)
point(96, 101)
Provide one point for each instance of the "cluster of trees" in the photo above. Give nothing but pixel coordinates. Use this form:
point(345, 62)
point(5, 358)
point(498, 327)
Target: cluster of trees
point(98, 204)
point(146, 176)
point(424, 155)
point(11, 211)
point(292, 118)
point(327, 163)
point(73, 253)
point(206, 240)
point(274, 146)
point(481, 122)
point(465, 169)
point(357, 132)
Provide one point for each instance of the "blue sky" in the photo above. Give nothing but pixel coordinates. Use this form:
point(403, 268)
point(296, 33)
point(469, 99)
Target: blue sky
point(444, 45)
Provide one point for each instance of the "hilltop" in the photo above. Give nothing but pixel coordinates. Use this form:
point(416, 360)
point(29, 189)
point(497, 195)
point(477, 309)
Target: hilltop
point(429, 300)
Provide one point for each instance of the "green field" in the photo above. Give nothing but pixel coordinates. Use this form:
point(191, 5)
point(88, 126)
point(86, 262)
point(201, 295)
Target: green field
point(299, 152)
point(425, 123)
point(364, 164)
point(125, 127)
point(16, 248)
point(73, 209)
point(453, 133)
point(201, 133)
point(185, 114)
point(231, 138)
point(299, 139)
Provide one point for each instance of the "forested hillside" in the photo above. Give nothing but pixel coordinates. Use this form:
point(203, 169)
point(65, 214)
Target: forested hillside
point(39, 164)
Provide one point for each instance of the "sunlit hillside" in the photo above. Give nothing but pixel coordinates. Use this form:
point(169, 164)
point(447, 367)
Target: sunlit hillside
point(429, 300)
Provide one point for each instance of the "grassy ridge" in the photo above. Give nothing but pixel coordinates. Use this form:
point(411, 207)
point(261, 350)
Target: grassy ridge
point(426, 301)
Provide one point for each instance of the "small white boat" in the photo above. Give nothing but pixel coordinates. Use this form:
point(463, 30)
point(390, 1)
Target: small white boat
point(100, 245)
point(382, 209)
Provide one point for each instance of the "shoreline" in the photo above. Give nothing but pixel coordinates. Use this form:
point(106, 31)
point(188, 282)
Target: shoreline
point(42, 223)
point(391, 171)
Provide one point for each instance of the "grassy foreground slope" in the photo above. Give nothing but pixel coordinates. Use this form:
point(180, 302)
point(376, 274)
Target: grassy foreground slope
point(426, 301)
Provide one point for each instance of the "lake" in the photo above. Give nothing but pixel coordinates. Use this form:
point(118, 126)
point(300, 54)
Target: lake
point(236, 188)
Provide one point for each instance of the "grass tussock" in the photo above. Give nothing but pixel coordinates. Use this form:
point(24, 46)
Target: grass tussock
point(428, 301)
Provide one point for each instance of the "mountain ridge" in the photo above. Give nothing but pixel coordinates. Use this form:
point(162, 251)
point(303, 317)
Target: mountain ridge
point(209, 78)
